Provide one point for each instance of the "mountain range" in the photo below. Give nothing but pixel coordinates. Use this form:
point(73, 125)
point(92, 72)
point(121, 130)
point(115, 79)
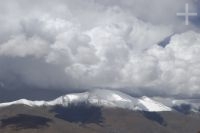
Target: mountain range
point(100, 111)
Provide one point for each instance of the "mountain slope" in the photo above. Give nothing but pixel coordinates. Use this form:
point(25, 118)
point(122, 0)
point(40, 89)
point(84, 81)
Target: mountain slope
point(83, 119)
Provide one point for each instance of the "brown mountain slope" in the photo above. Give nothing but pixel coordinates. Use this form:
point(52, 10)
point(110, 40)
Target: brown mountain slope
point(84, 119)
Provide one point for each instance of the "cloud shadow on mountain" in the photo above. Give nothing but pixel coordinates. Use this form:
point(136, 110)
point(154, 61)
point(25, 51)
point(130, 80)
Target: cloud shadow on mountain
point(154, 116)
point(25, 121)
point(80, 113)
point(183, 108)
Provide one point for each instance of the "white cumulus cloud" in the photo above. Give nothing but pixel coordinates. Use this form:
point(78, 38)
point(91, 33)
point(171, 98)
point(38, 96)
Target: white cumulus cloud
point(107, 44)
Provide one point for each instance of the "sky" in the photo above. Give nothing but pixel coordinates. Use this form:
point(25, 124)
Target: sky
point(89, 44)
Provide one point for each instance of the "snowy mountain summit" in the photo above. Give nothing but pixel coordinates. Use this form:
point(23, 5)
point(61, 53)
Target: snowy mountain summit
point(104, 98)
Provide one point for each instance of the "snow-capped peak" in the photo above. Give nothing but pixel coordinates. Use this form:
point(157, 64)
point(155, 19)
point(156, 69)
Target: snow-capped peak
point(153, 105)
point(105, 98)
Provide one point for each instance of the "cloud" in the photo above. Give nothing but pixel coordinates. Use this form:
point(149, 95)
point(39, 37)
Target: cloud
point(179, 63)
point(20, 46)
point(106, 44)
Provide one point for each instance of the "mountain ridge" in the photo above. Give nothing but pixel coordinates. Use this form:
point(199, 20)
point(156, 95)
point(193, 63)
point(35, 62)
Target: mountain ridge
point(99, 97)
point(115, 99)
